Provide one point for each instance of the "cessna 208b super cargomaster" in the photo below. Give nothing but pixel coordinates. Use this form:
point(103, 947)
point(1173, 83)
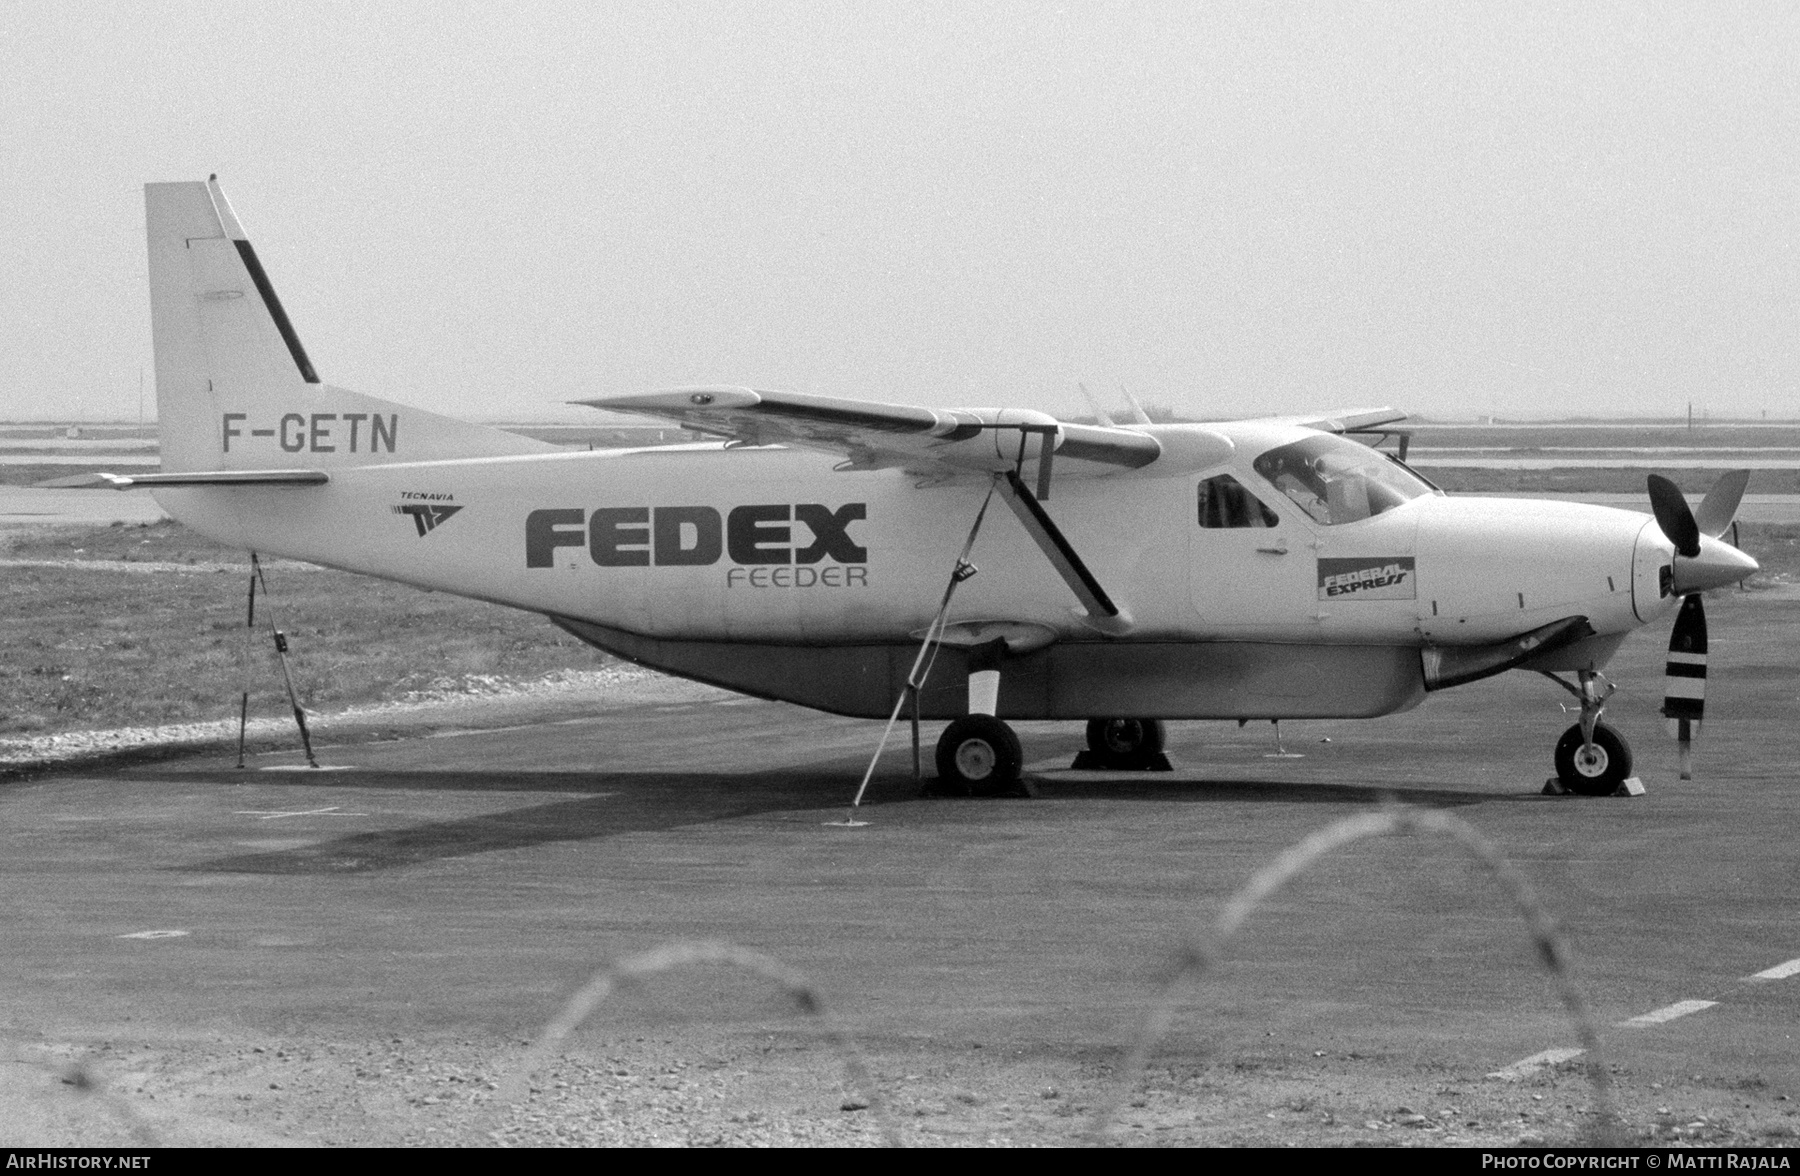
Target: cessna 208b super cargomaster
point(1257, 569)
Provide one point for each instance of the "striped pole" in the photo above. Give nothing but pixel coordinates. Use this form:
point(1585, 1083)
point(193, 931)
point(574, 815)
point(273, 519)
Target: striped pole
point(1684, 684)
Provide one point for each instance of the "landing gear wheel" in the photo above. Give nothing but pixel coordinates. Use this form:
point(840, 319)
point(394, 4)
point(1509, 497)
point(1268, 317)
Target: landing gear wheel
point(979, 755)
point(1596, 770)
point(1133, 745)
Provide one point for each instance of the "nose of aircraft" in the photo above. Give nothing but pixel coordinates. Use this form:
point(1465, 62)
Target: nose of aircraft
point(1717, 565)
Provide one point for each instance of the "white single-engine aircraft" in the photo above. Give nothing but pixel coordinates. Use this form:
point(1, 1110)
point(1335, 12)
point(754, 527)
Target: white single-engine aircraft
point(1258, 569)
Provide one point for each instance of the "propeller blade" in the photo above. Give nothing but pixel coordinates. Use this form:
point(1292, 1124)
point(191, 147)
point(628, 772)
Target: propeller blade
point(1673, 516)
point(1101, 417)
point(1684, 683)
point(1720, 505)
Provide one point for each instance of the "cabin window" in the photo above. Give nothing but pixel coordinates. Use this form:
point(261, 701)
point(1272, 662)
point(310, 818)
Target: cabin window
point(1338, 481)
point(1225, 503)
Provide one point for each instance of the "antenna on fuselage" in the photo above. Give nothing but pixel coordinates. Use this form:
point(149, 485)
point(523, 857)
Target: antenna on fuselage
point(1138, 415)
point(1101, 416)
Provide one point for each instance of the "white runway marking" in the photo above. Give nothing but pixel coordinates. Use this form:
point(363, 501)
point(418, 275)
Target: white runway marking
point(1778, 972)
point(307, 768)
point(274, 814)
point(1680, 1008)
point(1537, 1061)
point(154, 935)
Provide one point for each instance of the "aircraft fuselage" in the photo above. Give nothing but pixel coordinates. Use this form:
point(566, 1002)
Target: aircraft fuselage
point(770, 571)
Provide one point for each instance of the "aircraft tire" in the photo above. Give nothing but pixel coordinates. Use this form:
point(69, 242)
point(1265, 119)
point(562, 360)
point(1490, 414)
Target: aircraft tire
point(982, 754)
point(1126, 743)
point(1599, 774)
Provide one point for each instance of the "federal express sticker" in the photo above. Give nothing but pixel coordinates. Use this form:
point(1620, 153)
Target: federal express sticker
point(1373, 577)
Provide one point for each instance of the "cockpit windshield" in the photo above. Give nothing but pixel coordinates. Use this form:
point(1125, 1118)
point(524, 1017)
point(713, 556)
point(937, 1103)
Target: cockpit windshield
point(1338, 481)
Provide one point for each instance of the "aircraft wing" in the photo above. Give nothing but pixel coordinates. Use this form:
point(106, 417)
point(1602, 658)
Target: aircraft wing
point(1348, 420)
point(871, 435)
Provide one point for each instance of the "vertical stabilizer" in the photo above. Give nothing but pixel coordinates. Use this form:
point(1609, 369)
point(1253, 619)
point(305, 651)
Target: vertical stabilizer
point(235, 387)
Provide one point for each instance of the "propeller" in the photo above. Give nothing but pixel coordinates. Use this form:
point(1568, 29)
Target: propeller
point(1702, 561)
point(1684, 679)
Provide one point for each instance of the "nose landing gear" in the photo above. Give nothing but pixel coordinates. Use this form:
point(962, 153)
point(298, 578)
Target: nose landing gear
point(1592, 759)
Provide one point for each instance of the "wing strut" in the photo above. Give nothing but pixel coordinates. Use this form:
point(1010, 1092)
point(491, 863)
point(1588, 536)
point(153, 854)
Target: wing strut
point(1056, 547)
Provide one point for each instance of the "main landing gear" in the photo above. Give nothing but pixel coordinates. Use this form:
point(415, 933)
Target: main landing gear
point(978, 755)
point(1592, 759)
point(1124, 745)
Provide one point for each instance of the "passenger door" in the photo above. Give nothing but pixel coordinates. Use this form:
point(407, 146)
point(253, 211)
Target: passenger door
point(1250, 562)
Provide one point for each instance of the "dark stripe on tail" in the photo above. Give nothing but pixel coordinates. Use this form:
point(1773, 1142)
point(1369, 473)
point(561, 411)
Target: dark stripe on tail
point(275, 312)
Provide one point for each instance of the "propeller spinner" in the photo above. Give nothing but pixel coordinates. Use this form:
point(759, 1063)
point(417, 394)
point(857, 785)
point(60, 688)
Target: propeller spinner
point(1702, 561)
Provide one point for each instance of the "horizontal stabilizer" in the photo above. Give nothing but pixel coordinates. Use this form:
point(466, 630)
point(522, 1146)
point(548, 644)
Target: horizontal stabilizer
point(105, 481)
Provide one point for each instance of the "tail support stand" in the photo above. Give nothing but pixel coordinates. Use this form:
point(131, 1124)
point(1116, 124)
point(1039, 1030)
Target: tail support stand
point(281, 649)
point(244, 663)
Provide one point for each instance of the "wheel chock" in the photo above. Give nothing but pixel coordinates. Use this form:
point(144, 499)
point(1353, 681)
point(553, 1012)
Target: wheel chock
point(1024, 787)
point(1089, 760)
point(1630, 786)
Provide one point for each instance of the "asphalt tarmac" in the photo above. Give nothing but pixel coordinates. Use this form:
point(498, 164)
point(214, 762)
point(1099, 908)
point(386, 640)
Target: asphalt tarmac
point(434, 901)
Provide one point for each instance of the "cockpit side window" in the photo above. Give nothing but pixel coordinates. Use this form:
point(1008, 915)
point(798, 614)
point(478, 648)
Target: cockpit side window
point(1224, 502)
point(1338, 481)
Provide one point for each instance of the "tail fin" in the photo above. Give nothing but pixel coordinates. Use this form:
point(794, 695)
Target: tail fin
point(235, 389)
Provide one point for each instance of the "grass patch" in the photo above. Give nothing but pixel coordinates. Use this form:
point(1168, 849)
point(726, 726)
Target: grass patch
point(1467, 480)
point(1776, 546)
point(31, 475)
point(86, 648)
point(1527, 439)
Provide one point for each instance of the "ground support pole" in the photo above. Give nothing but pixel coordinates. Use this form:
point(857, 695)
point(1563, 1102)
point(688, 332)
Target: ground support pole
point(918, 763)
point(915, 679)
point(244, 663)
point(287, 678)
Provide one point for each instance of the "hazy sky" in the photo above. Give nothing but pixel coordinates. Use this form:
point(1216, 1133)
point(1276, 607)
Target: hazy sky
point(1231, 208)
